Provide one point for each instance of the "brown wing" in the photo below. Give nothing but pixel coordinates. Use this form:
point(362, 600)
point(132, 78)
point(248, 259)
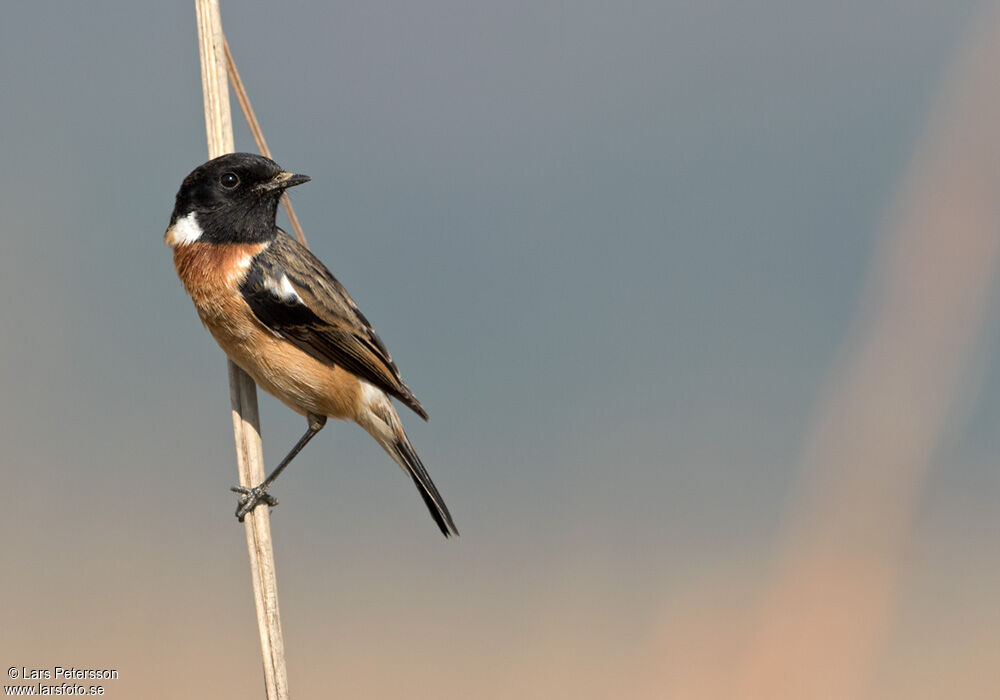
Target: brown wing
point(291, 292)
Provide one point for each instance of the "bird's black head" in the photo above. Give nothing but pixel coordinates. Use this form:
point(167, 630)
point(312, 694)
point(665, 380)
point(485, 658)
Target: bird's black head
point(230, 199)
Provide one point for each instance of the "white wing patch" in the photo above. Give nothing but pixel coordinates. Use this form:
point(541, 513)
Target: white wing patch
point(184, 230)
point(378, 417)
point(282, 289)
point(371, 395)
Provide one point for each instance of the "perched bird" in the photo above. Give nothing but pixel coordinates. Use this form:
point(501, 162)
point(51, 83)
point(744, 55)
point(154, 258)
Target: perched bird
point(282, 317)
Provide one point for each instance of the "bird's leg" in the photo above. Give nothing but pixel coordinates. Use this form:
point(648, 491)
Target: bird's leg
point(252, 497)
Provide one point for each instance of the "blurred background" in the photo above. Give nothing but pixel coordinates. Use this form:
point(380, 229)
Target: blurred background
point(701, 298)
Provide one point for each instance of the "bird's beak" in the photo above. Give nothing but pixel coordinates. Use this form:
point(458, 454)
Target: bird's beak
point(282, 181)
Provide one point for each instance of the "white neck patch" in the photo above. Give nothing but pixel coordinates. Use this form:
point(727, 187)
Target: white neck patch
point(184, 230)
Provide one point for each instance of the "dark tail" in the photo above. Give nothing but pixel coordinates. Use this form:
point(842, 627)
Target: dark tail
point(435, 504)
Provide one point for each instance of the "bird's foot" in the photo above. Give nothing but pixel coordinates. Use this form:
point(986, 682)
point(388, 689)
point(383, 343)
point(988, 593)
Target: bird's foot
point(250, 498)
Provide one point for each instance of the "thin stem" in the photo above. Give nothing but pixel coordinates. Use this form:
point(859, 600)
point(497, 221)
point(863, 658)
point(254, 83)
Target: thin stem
point(258, 135)
point(242, 391)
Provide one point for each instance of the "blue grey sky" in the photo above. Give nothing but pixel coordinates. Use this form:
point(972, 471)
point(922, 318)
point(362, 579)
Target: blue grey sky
point(613, 248)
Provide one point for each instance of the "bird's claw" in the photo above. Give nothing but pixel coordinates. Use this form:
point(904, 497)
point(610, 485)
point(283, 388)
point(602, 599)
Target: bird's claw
point(250, 498)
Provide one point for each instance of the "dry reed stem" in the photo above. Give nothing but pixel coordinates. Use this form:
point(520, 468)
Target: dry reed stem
point(258, 135)
point(243, 392)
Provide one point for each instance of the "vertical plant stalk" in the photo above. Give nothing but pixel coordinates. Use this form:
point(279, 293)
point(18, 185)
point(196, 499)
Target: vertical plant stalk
point(242, 390)
point(258, 135)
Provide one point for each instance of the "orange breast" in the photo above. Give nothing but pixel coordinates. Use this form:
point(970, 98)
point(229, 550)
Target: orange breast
point(212, 275)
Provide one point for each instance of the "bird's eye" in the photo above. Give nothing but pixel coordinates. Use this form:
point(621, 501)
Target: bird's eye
point(229, 180)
